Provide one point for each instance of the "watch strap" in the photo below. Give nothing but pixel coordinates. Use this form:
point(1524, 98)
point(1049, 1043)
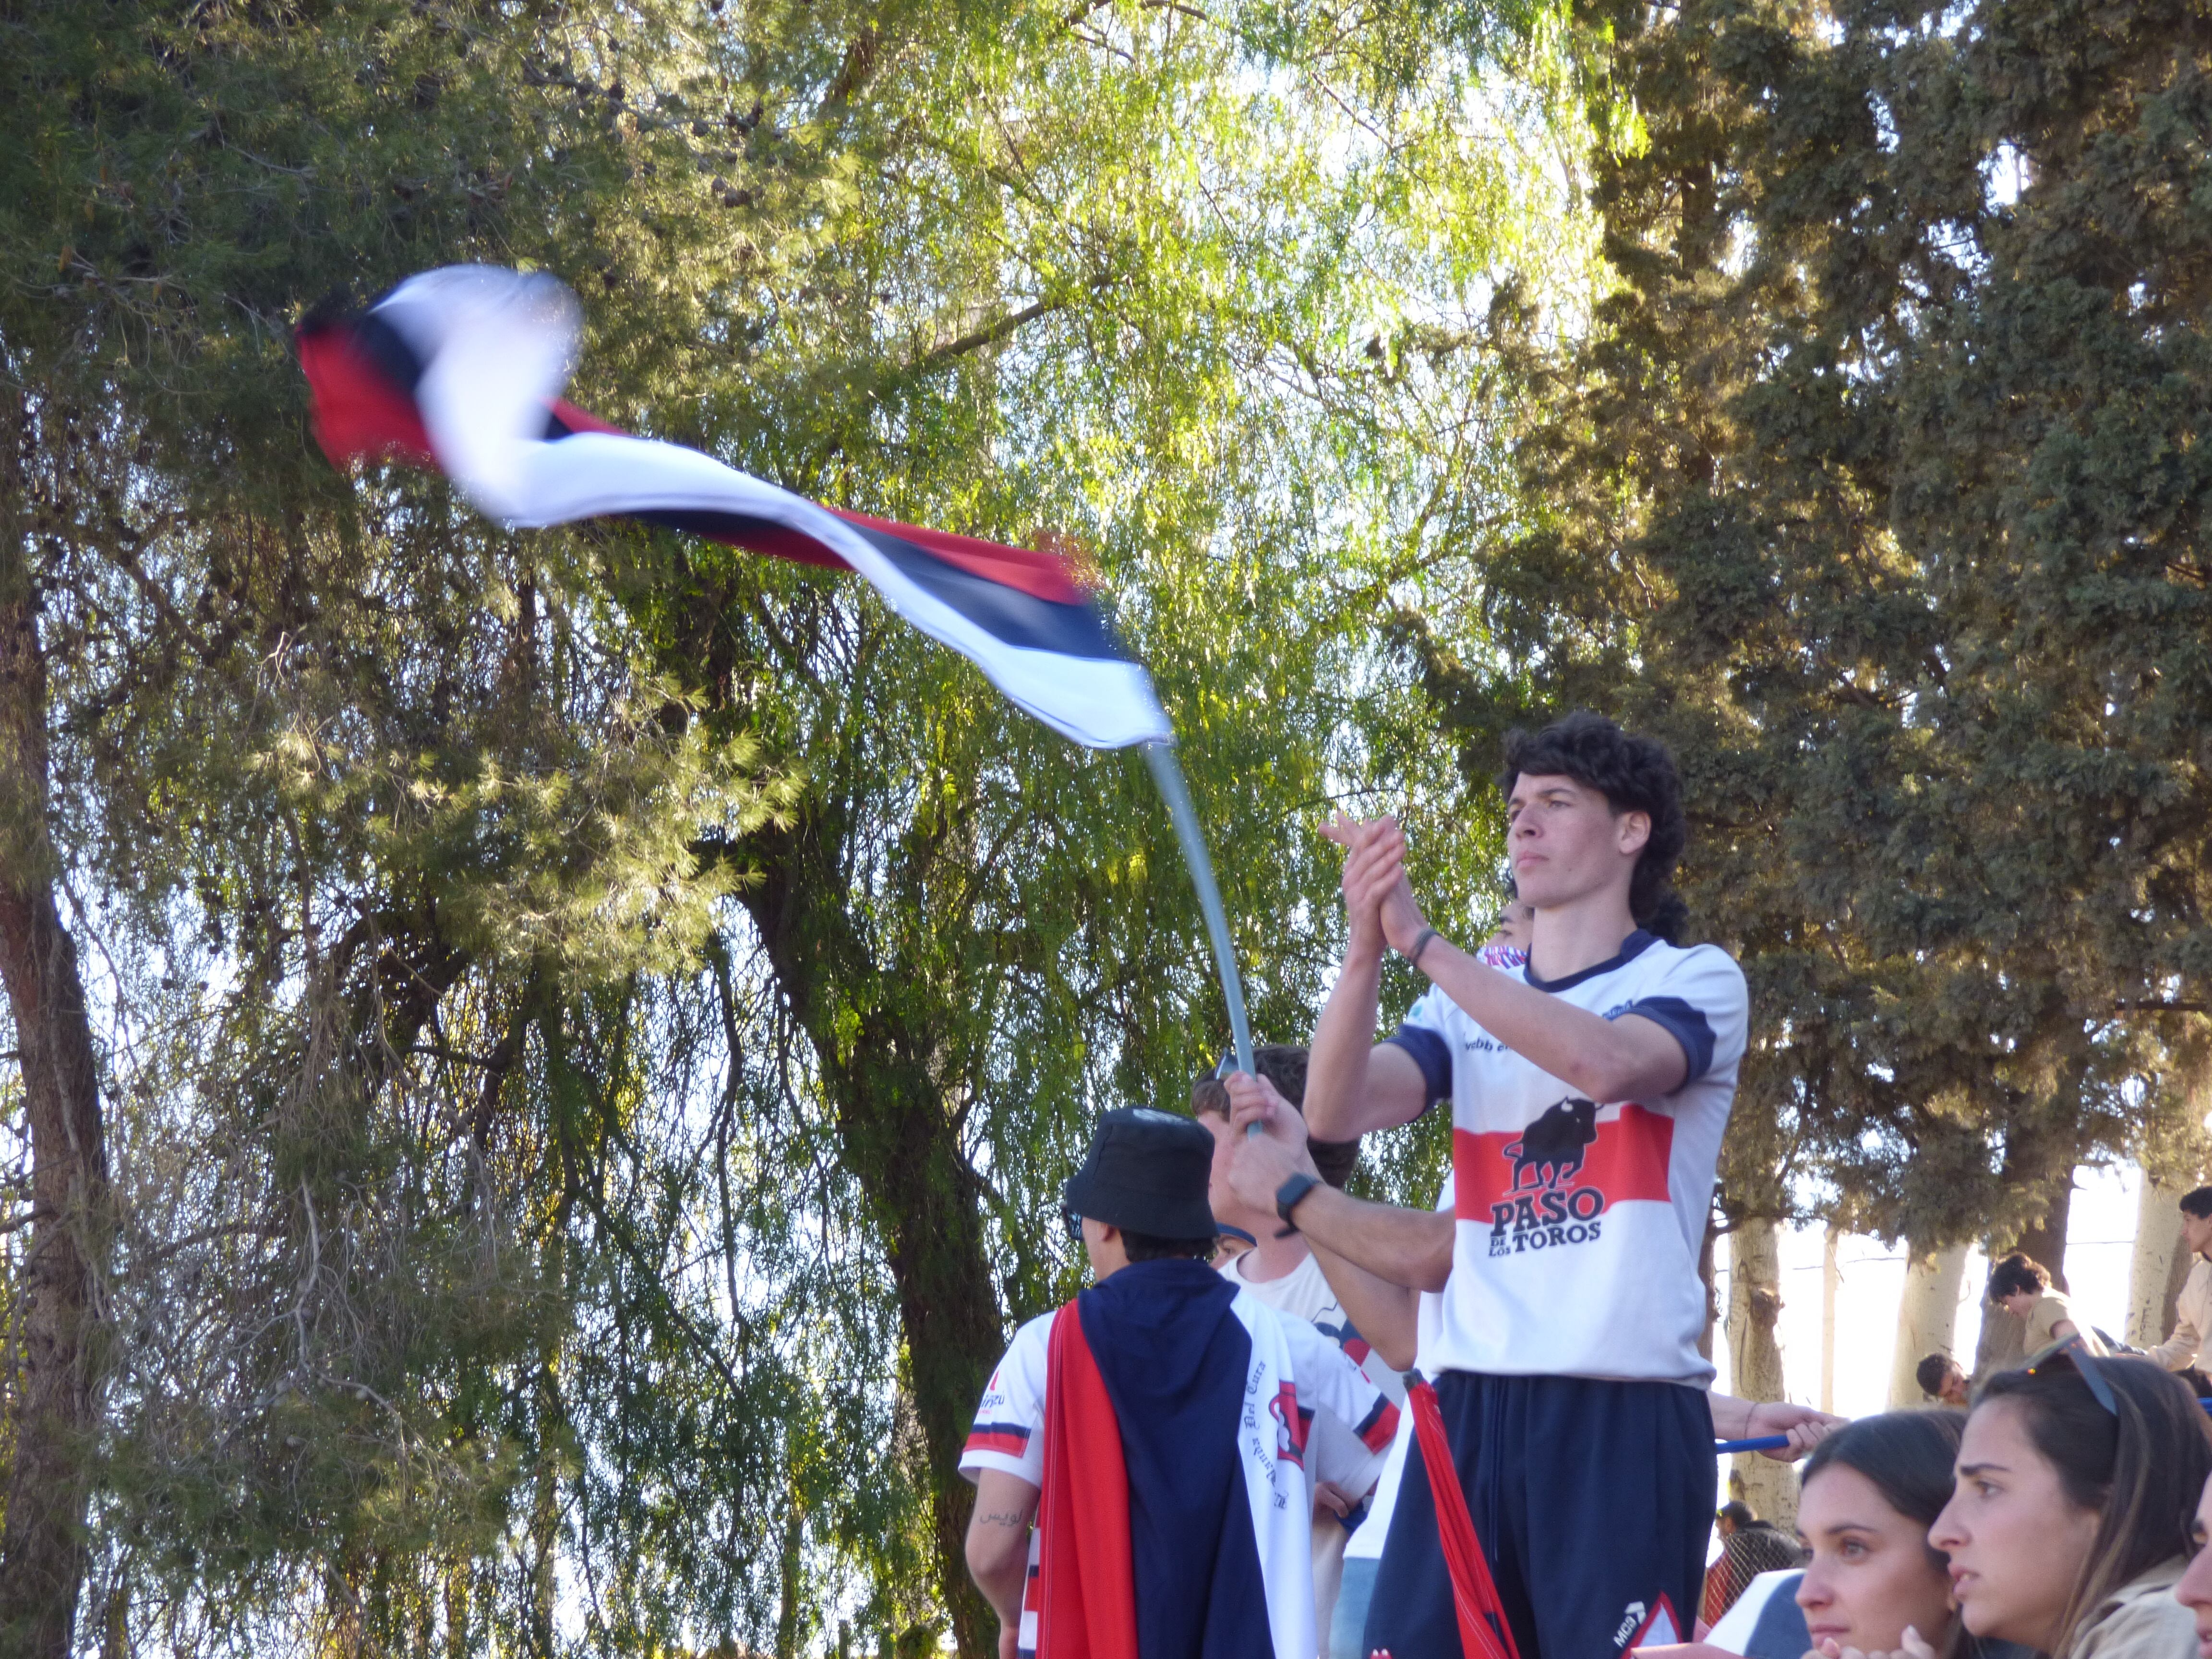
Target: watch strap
point(1288, 1195)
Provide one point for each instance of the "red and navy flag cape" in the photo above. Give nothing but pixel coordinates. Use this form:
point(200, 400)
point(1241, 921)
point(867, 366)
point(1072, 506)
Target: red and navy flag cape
point(1153, 1543)
point(459, 370)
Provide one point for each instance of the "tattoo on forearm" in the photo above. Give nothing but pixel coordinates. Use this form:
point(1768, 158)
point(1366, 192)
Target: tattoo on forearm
point(1005, 1518)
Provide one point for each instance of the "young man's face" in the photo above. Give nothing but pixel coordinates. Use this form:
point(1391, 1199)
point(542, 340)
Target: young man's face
point(1567, 841)
point(1954, 1391)
point(2196, 1232)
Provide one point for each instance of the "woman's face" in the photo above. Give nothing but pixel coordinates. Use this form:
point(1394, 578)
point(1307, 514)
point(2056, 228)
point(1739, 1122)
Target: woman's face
point(1871, 1576)
point(2016, 1542)
point(2195, 1589)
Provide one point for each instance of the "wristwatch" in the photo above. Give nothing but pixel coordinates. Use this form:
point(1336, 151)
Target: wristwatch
point(1288, 1195)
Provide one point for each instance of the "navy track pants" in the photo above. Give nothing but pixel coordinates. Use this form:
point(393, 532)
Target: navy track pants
point(1594, 1501)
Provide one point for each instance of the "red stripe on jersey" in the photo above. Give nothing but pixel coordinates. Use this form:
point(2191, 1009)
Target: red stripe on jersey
point(1623, 1160)
point(1010, 1438)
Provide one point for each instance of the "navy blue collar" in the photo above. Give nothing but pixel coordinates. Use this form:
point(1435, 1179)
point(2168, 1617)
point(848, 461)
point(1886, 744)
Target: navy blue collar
point(1631, 948)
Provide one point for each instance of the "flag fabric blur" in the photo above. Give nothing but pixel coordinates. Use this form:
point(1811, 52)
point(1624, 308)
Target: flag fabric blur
point(461, 369)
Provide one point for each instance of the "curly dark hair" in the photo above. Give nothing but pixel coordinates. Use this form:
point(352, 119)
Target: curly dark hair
point(2016, 1273)
point(1634, 774)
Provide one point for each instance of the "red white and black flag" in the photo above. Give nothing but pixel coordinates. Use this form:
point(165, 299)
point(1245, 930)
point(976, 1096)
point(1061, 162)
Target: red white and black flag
point(461, 369)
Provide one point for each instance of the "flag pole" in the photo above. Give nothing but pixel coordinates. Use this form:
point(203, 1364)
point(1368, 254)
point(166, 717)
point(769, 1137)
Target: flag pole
point(1161, 757)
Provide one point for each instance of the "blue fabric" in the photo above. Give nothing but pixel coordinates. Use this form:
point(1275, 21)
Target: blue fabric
point(1432, 1054)
point(1173, 1355)
point(1592, 1500)
point(1686, 1025)
point(1349, 1622)
point(1779, 1632)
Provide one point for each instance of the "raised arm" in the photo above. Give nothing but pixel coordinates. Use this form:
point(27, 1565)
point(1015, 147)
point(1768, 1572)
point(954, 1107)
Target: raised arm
point(1630, 1058)
point(1352, 1085)
point(1384, 1314)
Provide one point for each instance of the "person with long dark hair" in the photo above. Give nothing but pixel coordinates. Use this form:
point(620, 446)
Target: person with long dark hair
point(1874, 1585)
point(2077, 1484)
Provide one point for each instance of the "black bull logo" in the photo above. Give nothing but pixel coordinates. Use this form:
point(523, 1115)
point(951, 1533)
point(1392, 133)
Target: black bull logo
point(1553, 1146)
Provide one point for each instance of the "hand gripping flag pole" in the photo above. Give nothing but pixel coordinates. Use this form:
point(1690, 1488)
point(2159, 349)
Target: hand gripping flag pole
point(461, 369)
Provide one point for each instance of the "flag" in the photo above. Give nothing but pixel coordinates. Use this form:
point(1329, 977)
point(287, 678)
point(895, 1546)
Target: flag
point(1175, 1520)
point(461, 369)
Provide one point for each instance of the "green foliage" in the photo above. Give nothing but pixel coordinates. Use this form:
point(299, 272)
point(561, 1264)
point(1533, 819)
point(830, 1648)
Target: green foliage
point(507, 1256)
point(1878, 489)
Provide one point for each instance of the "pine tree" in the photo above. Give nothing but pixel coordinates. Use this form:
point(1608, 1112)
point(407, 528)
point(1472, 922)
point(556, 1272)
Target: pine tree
point(1876, 487)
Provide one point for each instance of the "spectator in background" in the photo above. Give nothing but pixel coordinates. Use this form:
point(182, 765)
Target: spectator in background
point(2192, 1310)
point(1749, 1546)
point(1940, 1377)
point(2078, 1479)
point(2022, 1288)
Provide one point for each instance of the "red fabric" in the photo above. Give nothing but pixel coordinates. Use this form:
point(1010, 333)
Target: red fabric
point(1483, 1630)
point(1087, 1604)
point(1627, 1162)
point(1040, 575)
point(358, 413)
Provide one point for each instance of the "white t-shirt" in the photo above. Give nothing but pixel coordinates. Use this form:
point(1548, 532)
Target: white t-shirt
point(1580, 1221)
point(1008, 1433)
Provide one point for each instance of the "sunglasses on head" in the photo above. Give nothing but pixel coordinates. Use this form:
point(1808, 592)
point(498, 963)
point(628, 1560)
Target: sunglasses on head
point(2076, 1353)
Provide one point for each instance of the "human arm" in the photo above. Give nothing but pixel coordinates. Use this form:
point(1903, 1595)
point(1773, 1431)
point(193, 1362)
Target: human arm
point(998, 1545)
point(1407, 1248)
point(1354, 1085)
point(1749, 1419)
point(1632, 1057)
point(2178, 1350)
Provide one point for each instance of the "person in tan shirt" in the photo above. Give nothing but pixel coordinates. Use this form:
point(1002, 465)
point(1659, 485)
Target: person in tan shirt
point(2022, 1287)
point(2192, 1310)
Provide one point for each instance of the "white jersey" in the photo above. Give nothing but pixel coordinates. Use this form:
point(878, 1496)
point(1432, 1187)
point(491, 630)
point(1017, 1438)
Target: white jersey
point(1334, 1453)
point(1580, 1221)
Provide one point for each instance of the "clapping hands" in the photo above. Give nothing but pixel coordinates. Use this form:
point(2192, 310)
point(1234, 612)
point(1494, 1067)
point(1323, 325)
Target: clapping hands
point(1379, 900)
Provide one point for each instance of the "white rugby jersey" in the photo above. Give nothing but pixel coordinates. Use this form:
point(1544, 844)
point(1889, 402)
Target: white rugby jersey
point(1579, 1221)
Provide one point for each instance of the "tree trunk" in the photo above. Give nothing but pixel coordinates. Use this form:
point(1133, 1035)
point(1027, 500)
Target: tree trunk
point(2046, 1240)
point(50, 1403)
point(1754, 1304)
point(1832, 1285)
point(900, 1140)
point(2158, 1265)
point(1927, 1317)
point(1706, 1251)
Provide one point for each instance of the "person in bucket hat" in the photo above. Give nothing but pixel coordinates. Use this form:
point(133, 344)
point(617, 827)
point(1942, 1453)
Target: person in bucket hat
point(1138, 1453)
